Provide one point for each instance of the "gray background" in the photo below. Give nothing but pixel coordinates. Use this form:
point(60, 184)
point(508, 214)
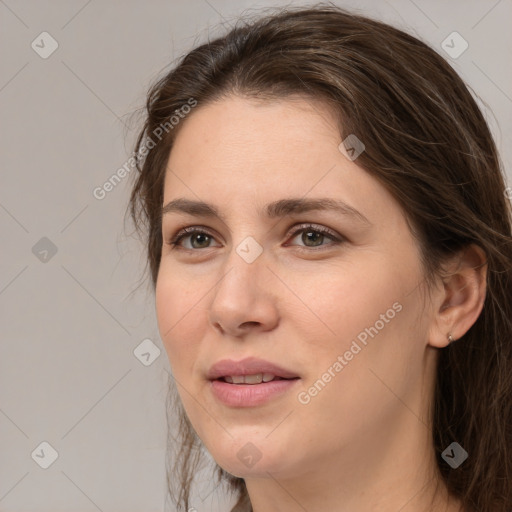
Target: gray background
point(69, 321)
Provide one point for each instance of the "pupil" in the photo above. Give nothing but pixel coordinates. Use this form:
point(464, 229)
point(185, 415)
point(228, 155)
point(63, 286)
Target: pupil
point(312, 236)
point(198, 236)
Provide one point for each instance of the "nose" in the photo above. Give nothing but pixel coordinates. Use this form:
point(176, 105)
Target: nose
point(245, 297)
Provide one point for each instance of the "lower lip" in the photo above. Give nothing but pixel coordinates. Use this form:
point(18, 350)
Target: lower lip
point(249, 395)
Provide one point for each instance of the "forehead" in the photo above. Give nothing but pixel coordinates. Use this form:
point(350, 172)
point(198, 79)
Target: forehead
point(238, 149)
point(238, 123)
point(244, 137)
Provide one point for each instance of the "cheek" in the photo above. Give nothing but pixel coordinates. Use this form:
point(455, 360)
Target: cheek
point(366, 312)
point(346, 299)
point(374, 312)
point(176, 305)
point(372, 347)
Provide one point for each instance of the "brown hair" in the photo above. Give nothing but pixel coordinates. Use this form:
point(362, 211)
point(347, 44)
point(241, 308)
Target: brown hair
point(428, 143)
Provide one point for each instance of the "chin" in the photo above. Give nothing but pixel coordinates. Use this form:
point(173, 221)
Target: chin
point(244, 459)
point(241, 470)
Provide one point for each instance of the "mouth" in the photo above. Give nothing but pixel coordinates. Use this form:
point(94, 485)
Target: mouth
point(251, 369)
point(250, 395)
point(254, 379)
point(249, 382)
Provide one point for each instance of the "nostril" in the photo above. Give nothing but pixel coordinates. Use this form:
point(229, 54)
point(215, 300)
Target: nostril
point(249, 324)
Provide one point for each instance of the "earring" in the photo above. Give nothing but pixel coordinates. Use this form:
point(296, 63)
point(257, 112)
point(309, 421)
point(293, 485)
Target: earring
point(450, 338)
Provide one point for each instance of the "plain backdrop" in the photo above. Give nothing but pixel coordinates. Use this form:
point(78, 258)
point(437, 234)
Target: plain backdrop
point(83, 372)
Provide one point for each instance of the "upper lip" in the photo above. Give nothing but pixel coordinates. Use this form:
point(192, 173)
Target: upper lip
point(247, 366)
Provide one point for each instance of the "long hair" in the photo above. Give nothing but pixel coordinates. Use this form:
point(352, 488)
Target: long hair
point(427, 142)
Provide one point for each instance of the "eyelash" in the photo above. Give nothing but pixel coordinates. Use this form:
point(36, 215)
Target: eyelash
point(188, 231)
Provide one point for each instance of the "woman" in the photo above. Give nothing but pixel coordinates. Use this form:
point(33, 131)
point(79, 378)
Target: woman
point(329, 240)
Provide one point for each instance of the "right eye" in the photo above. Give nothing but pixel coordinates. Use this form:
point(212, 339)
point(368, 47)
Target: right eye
point(195, 234)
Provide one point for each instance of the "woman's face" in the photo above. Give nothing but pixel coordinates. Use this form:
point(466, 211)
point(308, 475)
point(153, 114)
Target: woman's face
point(340, 310)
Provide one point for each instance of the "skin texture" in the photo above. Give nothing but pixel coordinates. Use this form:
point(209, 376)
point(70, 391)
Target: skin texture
point(363, 442)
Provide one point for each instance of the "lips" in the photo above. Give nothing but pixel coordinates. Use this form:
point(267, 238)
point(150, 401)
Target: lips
point(251, 382)
point(250, 366)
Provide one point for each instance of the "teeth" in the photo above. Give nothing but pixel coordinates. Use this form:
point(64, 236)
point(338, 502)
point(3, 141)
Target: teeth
point(258, 378)
point(253, 379)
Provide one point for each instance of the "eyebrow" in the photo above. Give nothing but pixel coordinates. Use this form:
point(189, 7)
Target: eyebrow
point(280, 208)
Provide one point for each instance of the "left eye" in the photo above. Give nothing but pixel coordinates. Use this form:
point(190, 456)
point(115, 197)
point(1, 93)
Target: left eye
point(310, 234)
point(315, 235)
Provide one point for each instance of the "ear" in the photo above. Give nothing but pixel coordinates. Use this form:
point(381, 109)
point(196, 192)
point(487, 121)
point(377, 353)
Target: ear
point(460, 301)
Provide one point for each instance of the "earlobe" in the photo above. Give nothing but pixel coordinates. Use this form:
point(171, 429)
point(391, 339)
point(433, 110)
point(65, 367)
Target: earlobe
point(461, 300)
